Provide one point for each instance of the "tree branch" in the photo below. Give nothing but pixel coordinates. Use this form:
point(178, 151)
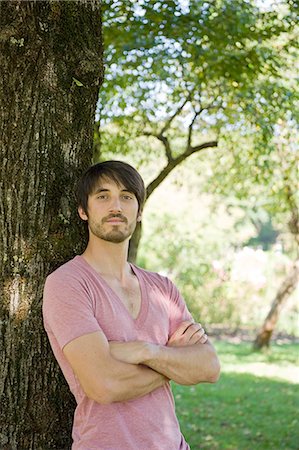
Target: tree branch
point(165, 142)
point(197, 148)
point(160, 135)
point(190, 130)
point(196, 114)
point(288, 285)
point(293, 223)
point(167, 147)
point(174, 163)
point(177, 112)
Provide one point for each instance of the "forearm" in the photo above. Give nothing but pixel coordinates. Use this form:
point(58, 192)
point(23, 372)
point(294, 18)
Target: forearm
point(185, 365)
point(105, 378)
point(189, 364)
point(129, 381)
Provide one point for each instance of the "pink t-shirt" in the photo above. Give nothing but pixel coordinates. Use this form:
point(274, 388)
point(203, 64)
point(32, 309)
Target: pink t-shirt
point(78, 301)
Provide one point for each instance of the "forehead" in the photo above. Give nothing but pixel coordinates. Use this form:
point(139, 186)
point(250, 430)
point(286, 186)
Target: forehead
point(105, 182)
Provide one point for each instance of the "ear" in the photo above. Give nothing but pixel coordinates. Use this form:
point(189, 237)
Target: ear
point(139, 217)
point(82, 213)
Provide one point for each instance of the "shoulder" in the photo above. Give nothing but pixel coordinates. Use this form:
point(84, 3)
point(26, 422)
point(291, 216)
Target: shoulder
point(68, 274)
point(67, 287)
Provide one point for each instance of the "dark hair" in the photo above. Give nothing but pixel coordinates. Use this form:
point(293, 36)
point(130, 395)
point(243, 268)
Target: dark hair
point(118, 171)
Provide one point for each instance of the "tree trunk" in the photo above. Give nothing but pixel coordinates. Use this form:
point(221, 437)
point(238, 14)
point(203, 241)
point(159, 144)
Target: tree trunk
point(287, 287)
point(51, 70)
point(134, 243)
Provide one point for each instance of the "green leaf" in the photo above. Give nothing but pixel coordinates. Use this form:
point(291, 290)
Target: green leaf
point(77, 82)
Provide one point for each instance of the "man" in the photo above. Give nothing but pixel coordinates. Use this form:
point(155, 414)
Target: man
point(121, 333)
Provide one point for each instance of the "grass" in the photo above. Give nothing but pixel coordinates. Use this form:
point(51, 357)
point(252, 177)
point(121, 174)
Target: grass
point(254, 405)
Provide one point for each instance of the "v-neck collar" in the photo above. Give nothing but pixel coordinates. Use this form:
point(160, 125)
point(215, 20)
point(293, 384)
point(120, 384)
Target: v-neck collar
point(139, 320)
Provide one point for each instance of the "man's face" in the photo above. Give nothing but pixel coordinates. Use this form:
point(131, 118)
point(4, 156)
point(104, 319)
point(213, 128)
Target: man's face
point(112, 212)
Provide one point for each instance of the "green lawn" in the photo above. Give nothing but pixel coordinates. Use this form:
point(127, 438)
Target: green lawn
point(254, 405)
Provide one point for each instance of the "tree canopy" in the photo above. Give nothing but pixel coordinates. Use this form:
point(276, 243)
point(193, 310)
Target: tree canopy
point(186, 76)
point(195, 69)
point(183, 77)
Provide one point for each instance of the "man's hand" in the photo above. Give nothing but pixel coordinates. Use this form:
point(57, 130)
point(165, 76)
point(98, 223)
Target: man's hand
point(188, 358)
point(181, 360)
point(136, 352)
point(188, 333)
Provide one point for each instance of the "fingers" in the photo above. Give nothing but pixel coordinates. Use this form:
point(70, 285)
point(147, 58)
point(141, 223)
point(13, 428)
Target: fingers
point(182, 328)
point(188, 333)
point(195, 333)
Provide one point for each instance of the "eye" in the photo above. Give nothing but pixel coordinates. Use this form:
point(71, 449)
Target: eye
point(102, 196)
point(127, 197)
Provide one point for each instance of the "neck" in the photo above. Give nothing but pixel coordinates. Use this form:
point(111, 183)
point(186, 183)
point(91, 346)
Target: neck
point(108, 258)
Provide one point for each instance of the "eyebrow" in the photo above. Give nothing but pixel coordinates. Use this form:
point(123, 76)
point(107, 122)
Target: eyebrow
point(100, 189)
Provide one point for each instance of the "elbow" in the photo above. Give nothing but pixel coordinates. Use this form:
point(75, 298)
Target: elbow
point(101, 394)
point(103, 398)
point(213, 374)
point(213, 366)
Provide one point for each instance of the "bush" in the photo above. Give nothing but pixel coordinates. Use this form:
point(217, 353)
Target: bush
point(221, 284)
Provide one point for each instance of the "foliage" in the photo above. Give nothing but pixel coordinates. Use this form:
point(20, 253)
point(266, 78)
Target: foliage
point(202, 249)
point(243, 410)
point(187, 72)
point(264, 183)
point(183, 76)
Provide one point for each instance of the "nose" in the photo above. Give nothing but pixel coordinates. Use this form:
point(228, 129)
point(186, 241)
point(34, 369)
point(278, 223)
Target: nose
point(115, 205)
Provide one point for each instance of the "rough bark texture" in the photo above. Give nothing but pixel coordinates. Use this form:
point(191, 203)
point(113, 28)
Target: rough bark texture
point(134, 243)
point(51, 70)
point(287, 287)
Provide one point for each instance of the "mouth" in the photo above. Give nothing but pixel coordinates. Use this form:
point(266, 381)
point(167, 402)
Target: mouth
point(115, 220)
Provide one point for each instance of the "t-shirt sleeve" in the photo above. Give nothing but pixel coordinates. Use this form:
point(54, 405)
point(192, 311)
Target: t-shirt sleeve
point(178, 308)
point(67, 308)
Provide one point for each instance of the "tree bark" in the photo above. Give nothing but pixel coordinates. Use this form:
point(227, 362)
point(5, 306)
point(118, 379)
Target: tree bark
point(51, 70)
point(287, 287)
point(134, 243)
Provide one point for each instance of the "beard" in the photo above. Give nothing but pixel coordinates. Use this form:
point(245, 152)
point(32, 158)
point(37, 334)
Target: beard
point(112, 233)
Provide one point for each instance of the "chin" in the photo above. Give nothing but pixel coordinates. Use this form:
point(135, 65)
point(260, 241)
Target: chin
point(116, 239)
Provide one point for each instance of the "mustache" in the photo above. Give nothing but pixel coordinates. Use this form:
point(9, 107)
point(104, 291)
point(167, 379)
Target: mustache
point(115, 216)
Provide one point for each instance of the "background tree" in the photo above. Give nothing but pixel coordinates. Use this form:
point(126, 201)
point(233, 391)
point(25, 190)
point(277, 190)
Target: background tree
point(186, 73)
point(266, 179)
point(285, 290)
point(51, 71)
point(288, 202)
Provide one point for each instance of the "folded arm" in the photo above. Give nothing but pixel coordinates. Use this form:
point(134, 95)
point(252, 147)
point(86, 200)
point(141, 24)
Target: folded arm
point(104, 378)
point(187, 365)
point(188, 358)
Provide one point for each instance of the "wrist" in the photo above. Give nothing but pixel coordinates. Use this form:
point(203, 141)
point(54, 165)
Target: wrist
point(151, 353)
